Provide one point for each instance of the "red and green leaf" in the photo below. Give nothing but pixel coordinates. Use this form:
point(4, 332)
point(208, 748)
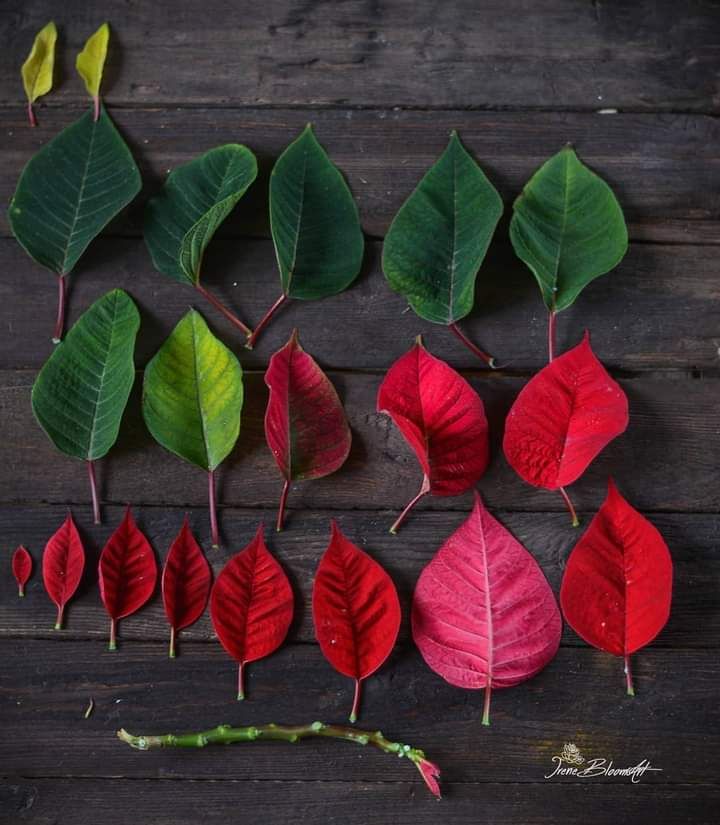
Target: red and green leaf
point(63, 564)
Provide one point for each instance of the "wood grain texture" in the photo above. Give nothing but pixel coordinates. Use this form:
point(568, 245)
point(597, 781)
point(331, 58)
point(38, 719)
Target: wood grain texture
point(694, 621)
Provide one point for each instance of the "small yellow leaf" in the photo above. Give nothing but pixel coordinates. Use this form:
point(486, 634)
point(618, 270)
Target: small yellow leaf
point(91, 60)
point(37, 70)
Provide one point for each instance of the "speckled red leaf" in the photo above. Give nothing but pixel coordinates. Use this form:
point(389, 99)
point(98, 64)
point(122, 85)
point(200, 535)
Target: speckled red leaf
point(63, 564)
point(305, 424)
point(22, 568)
point(127, 572)
point(617, 586)
point(441, 417)
point(356, 611)
point(251, 605)
point(186, 581)
point(483, 614)
point(563, 417)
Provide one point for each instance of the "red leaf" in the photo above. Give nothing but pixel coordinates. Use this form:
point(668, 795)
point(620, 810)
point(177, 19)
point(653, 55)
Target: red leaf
point(617, 585)
point(186, 580)
point(127, 573)
point(483, 613)
point(251, 605)
point(441, 417)
point(63, 563)
point(22, 568)
point(305, 424)
point(563, 417)
point(356, 611)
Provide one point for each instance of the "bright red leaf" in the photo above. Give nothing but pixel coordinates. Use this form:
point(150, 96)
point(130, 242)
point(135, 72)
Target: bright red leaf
point(63, 563)
point(356, 611)
point(127, 573)
point(483, 614)
point(617, 586)
point(186, 580)
point(563, 417)
point(22, 568)
point(251, 605)
point(441, 417)
point(305, 424)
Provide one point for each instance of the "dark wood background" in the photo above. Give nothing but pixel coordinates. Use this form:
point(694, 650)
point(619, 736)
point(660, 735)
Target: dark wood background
point(634, 86)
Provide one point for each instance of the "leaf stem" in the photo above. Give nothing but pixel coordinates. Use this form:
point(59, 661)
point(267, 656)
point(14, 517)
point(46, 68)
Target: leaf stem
point(93, 492)
point(60, 320)
point(214, 535)
point(356, 703)
point(486, 704)
point(171, 648)
point(220, 307)
point(21, 590)
point(59, 618)
point(112, 644)
point(31, 114)
point(241, 681)
point(253, 336)
point(566, 498)
point(552, 315)
point(424, 490)
point(281, 508)
point(628, 676)
point(96, 108)
point(483, 356)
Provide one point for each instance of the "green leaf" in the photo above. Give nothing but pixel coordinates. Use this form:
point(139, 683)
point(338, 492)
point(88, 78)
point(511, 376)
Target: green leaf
point(80, 394)
point(193, 394)
point(314, 222)
point(568, 228)
point(196, 199)
point(438, 240)
point(70, 190)
point(37, 70)
point(91, 60)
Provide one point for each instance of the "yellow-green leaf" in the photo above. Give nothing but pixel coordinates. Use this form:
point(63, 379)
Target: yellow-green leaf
point(91, 60)
point(37, 70)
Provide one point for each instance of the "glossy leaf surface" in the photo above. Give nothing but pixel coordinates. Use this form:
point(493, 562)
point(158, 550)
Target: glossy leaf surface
point(483, 614)
point(91, 60)
point(356, 611)
point(63, 563)
point(22, 568)
point(568, 228)
point(438, 240)
point(37, 70)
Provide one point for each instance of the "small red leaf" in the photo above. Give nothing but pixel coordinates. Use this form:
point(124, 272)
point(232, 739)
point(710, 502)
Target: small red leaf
point(251, 605)
point(563, 417)
point(127, 573)
point(63, 563)
point(22, 568)
point(356, 611)
point(483, 614)
point(617, 586)
point(441, 417)
point(305, 424)
point(186, 580)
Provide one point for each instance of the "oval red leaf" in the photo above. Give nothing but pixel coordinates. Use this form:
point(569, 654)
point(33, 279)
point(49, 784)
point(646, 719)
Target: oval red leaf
point(63, 564)
point(127, 573)
point(356, 611)
point(251, 605)
point(483, 614)
point(186, 581)
point(563, 417)
point(617, 585)
point(22, 568)
point(305, 424)
point(441, 417)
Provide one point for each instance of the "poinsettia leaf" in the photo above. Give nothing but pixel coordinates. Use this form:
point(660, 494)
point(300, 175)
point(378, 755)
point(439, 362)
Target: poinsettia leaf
point(37, 70)
point(91, 60)
point(483, 614)
point(63, 563)
point(568, 227)
point(617, 586)
point(305, 424)
point(438, 240)
point(356, 611)
point(22, 568)
point(441, 417)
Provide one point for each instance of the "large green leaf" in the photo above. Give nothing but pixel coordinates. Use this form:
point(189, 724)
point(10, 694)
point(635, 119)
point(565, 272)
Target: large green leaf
point(438, 240)
point(568, 228)
point(70, 190)
point(196, 199)
point(314, 222)
point(193, 394)
point(80, 394)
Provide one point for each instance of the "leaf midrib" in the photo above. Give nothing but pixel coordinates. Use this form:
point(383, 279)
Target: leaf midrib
point(563, 228)
point(201, 413)
point(102, 378)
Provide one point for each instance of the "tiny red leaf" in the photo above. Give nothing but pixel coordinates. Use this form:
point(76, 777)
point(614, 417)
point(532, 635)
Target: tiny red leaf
point(305, 424)
point(563, 417)
point(483, 614)
point(356, 611)
point(441, 417)
point(617, 586)
point(186, 580)
point(63, 563)
point(22, 568)
point(251, 605)
point(127, 573)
